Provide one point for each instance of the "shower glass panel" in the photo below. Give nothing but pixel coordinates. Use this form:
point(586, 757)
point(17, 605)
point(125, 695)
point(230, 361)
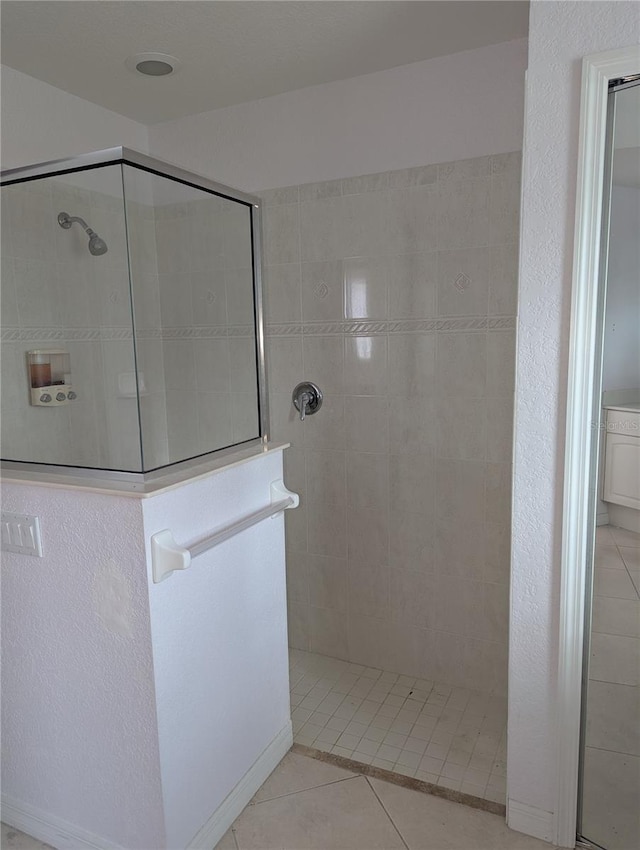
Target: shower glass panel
point(192, 286)
point(131, 315)
point(57, 296)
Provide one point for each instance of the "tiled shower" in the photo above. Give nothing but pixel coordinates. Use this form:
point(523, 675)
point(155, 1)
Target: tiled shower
point(396, 293)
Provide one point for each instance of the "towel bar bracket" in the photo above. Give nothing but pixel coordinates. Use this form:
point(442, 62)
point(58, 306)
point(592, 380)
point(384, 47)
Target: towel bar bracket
point(168, 557)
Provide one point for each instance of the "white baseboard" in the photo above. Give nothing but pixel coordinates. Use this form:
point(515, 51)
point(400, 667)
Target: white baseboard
point(535, 822)
point(67, 836)
point(51, 829)
point(234, 803)
point(623, 517)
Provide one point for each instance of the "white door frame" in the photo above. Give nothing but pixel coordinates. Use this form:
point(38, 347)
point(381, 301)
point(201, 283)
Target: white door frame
point(597, 70)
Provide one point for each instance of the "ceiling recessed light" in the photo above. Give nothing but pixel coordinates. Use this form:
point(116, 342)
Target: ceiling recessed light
point(153, 64)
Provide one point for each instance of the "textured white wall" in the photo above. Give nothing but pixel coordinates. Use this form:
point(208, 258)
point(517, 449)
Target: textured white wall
point(41, 122)
point(621, 367)
point(219, 642)
point(84, 704)
point(560, 34)
point(79, 739)
point(131, 710)
point(465, 105)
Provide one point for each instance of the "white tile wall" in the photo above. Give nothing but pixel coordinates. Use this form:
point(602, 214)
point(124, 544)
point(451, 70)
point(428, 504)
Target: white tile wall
point(396, 293)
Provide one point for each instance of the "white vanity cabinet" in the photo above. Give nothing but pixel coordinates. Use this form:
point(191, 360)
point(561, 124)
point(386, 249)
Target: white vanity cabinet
point(622, 457)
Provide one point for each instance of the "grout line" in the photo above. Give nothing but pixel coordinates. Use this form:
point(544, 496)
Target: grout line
point(633, 584)
point(619, 598)
point(393, 823)
point(615, 752)
point(609, 681)
point(302, 790)
point(616, 634)
point(235, 840)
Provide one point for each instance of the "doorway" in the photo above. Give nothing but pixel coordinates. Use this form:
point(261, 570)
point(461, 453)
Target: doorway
point(609, 788)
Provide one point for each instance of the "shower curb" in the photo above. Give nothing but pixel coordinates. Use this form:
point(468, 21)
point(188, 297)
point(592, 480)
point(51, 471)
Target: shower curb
point(402, 781)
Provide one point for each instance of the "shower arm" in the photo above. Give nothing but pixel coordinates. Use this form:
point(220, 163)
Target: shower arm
point(65, 220)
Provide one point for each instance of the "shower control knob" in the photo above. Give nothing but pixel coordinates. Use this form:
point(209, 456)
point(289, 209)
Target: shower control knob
point(307, 399)
point(45, 397)
point(60, 397)
point(72, 395)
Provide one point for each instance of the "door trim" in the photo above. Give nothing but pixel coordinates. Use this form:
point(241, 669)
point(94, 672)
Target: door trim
point(597, 70)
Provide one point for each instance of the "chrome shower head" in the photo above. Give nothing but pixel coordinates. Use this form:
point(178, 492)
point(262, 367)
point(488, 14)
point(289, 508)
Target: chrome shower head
point(97, 246)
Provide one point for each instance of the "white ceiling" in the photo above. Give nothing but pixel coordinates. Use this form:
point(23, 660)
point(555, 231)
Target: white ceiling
point(236, 51)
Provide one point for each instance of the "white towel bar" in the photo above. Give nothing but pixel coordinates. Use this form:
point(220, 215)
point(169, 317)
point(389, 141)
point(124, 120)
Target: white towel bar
point(167, 556)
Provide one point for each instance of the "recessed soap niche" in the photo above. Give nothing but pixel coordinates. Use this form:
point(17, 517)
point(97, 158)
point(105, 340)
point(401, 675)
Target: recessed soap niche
point(49, 372)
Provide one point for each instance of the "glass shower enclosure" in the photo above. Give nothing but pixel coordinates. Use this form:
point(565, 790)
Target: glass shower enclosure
point(132, 332)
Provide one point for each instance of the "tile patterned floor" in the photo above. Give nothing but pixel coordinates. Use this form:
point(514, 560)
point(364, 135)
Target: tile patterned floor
point(611, 816)
point(452, 737)
point(308, 805)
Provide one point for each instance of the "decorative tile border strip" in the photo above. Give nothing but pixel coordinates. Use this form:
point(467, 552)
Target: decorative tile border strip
point(502, 323)
point(211, 332)
point(393, 326)
point(59, 334)
point(97, 334)
point(283, 330)
point(354, 328)
point(240, 330)
point(9, 334)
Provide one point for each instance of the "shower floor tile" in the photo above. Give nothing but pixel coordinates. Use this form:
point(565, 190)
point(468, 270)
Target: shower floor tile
point(453, 737)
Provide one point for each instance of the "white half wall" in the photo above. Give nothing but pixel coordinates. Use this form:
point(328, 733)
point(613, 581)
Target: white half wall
point(41, 122)
point(560, 34)
point(454, 107)
point(140, 715)
point(219, 635)
point(78, 696)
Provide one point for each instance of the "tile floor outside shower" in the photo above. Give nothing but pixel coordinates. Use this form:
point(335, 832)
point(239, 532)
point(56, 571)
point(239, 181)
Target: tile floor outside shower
point(612, 741)
point(451, 737)
point(308, 805)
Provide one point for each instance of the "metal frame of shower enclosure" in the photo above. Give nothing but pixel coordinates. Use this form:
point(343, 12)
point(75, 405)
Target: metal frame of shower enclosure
point(161, 168)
